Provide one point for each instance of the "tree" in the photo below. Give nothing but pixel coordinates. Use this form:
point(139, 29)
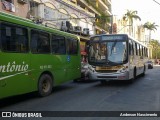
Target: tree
point(130, 16)
point(151, 27)
point(155, 47)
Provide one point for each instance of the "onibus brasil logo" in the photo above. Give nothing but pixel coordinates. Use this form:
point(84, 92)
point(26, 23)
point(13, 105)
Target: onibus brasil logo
point(13, 67)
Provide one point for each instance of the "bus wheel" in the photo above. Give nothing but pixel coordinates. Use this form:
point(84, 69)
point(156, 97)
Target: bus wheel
point(45, 85)
point(144, 70)
point(134, 74)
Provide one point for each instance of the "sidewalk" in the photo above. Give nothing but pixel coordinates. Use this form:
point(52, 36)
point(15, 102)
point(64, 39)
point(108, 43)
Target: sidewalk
point(156, 65)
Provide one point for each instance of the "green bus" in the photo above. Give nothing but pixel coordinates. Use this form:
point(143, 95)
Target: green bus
point(34, 57)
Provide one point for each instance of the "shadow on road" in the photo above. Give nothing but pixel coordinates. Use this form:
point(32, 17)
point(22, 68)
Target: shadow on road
point(62, 88)
point(65, 88)
point(118, 83)
point(84, 81)
point(30, 96)
point(16, 99)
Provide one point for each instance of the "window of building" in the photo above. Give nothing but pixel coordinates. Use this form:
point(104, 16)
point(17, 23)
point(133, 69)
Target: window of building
point(10, 1)
point(34, 8)
point(74, 19)
point(14, 38)
point(63, 14)
point(50, 11)
point(8, 5)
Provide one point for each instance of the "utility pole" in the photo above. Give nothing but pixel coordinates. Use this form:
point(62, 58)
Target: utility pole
point(111, 28)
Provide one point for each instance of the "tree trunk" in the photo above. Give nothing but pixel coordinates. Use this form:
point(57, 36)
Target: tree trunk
point(130, 28)
point(149, 36)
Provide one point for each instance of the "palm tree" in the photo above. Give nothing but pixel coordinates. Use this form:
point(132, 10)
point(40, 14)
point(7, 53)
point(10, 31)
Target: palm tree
point(130, 16)
point(151, 27)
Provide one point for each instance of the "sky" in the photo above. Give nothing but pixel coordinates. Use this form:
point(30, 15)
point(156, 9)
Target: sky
point(148, 10)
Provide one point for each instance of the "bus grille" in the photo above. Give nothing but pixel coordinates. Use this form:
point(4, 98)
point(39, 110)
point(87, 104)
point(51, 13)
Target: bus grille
point(106, 71)
point(107, 76)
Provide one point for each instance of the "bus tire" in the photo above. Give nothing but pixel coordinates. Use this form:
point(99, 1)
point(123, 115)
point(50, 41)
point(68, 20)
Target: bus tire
point(134, 76)
point(45, 85)
point(143, 74)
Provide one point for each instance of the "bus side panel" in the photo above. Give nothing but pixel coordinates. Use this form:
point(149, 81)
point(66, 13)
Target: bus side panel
point(52, 63)
point(14, 74)
point(73, 67)
point(59, 69)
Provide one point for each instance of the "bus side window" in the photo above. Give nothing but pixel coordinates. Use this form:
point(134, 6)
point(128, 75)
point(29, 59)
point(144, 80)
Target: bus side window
point(146, 52)
point(40, 42)
point(43, 43)
point(34, 40)
point(134, 48)
point(58, 44)
point(72, 46)
point(75, 46)
point(133, 51)
point(130, 48)
point(22, 42)
point(137, 52)
point(62, 47)
point(14, 38)
point(139, 49)
point(142, 51)
point(5, 37)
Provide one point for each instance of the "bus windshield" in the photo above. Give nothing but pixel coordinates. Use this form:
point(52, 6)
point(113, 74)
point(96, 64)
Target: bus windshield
point(108, 52)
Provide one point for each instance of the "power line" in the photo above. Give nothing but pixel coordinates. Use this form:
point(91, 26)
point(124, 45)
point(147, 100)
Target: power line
point(156, 2)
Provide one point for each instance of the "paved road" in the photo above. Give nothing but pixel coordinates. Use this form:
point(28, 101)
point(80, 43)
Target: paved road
point(142, 95)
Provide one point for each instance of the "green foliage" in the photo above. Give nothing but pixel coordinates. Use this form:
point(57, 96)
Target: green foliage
point(130, 15)
point(103, 18)
point(150, 26)
point(155, 45)
point(103, 26)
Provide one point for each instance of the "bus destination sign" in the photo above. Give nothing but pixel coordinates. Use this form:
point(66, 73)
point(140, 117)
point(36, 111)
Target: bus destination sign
point(115, 37)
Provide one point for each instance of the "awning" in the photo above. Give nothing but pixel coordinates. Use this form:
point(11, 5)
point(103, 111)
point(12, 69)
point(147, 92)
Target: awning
point(75, 1)
point(49, 5)
point(38, 1)
point(63, 11)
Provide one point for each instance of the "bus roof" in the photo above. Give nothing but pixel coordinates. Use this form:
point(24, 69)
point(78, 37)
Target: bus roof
point(122, 35)
point(29, 23)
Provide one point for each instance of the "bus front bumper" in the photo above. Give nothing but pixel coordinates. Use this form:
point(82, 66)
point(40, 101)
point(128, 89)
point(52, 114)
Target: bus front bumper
point(109, 76)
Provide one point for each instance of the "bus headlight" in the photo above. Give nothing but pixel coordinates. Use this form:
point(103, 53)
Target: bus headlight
point(91, 69)
point(123, 69)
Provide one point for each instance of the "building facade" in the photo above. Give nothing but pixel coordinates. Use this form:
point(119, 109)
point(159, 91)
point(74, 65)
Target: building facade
point(139, 32)
point(122, 26)
point(80, 17)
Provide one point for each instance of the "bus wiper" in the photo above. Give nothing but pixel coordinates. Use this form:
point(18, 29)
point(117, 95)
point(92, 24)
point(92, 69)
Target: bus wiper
point(111, 63)
point(114, 44)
